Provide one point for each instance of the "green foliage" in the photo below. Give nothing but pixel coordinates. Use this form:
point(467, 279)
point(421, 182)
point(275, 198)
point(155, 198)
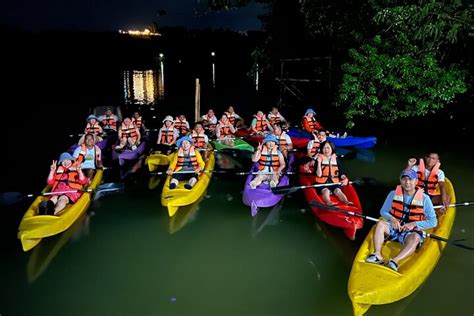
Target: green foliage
point(399, 72)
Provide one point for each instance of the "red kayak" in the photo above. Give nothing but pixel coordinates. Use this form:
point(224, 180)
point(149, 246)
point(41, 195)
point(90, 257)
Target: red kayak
point(246, 134)
point(350, 224)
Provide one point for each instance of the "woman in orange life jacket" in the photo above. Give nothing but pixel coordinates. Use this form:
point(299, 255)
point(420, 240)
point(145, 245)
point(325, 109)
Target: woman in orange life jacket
point(407, 211)
point(129, 135)
point(109, 120)
point(200, 140)
point(328, 170)
point(283, 140)
point(225, 131)
point(234, 118)
point(187, 159)
point(209, 121)
point(89, 156)
point(181, 125)
point(92, 127)
point(274, 117)
point(431, 179)
point(63, 176)
point(167, 136)
point(313, 149)
point(309, 122)
point(137, 119)
point(260, 125)
point(270, 162)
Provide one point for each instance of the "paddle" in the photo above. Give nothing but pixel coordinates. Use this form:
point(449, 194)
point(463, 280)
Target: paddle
point(218, 171)
point(289, 189)
point(9, 198)
point(425, 234)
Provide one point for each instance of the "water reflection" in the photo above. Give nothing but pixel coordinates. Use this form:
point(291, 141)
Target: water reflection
point(144, 86)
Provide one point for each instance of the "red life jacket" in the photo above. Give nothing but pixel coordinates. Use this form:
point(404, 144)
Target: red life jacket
point(180, 125)
point(310, 124)
point(167, 135)
point(199, 139)
point(110, 122)
point(129, 131)
point(269, 159)
point(430, 184)
point(184, 160)
point(83, 152)
point(72, 179)
point(329, 169)
point(93, 129)
point(137, 121)
point(415, 208)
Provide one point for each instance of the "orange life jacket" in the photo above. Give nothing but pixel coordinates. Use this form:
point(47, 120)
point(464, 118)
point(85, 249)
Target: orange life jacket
point(83, 152)
point(281, 139)
point(199, 139)
point(180, 125)
point(93, 129)
point(211, 125)
point(129, 131)
point(329, 169)
point(137, 121)
point(415, 208)
point(167, 135)
point(231, 117)
point(72, 178)
point(269, 159)
point(224, 130)
point(310, 123)
point(185, 160)
point(274, 118)
point(431, 183)
point(110, 121)
point(261, 124)
point(314, 149)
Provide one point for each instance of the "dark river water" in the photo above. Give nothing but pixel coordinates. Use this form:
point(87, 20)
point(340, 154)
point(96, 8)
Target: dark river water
point(127, 257)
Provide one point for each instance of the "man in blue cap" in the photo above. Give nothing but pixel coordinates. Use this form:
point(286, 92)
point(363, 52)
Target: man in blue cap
point(184, 163)
point(407, 211)
point(270, 163)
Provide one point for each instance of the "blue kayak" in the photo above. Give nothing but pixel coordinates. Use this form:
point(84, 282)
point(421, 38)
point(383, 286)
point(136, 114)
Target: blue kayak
point(349, 141)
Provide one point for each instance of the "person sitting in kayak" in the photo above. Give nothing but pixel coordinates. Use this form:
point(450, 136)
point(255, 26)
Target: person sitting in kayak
point(407, 211)
point(209, 121)
point(328, 170)
point(283, 140)
point(63, 176)
point(270, 163)
point(129, 135)
point(274, 117)
point(89, 156)
point(187, 159)
point(309, 122)
point(233, 117)
point(200, 139)
point(181, 125)
point(431, 179)
point(225, 131)
point(138, 121)
point(109, 120)
point(260, 125)
point(313, 149)
point(92, 127)
point(166, 136)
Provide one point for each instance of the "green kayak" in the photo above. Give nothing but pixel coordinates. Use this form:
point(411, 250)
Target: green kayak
point(240, 144)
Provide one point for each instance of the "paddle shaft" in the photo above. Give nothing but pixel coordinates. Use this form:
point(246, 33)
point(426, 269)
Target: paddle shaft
point(294, 189)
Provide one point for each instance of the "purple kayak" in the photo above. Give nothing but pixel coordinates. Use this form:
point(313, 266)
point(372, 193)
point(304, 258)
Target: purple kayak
point(262, 196)
point(129, 155)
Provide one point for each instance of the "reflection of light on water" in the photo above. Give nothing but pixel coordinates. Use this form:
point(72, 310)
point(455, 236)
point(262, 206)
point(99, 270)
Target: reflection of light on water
point(214, 75)
point(142, 86)
point(256, 78)
point(161, 82)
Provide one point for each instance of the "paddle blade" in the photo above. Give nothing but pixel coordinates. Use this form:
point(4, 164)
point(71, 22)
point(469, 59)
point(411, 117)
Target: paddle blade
point(9, 198)
point(108, 188)
point(285, 189)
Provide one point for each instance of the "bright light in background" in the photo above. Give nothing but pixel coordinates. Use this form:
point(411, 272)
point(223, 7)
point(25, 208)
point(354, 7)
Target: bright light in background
point(213, 54)
point(161, 55)
point(141, 87)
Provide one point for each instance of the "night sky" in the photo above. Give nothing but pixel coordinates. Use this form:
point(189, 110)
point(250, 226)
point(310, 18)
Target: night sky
point(108, 15)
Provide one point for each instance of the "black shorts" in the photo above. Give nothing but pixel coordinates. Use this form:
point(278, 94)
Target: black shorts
point(185, 176)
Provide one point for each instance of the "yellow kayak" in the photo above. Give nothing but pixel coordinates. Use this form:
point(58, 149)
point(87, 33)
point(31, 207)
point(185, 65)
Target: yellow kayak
point(34, 227)
point(373, 284)
point(185, 215)
point(180, 196)
point(155, 160)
